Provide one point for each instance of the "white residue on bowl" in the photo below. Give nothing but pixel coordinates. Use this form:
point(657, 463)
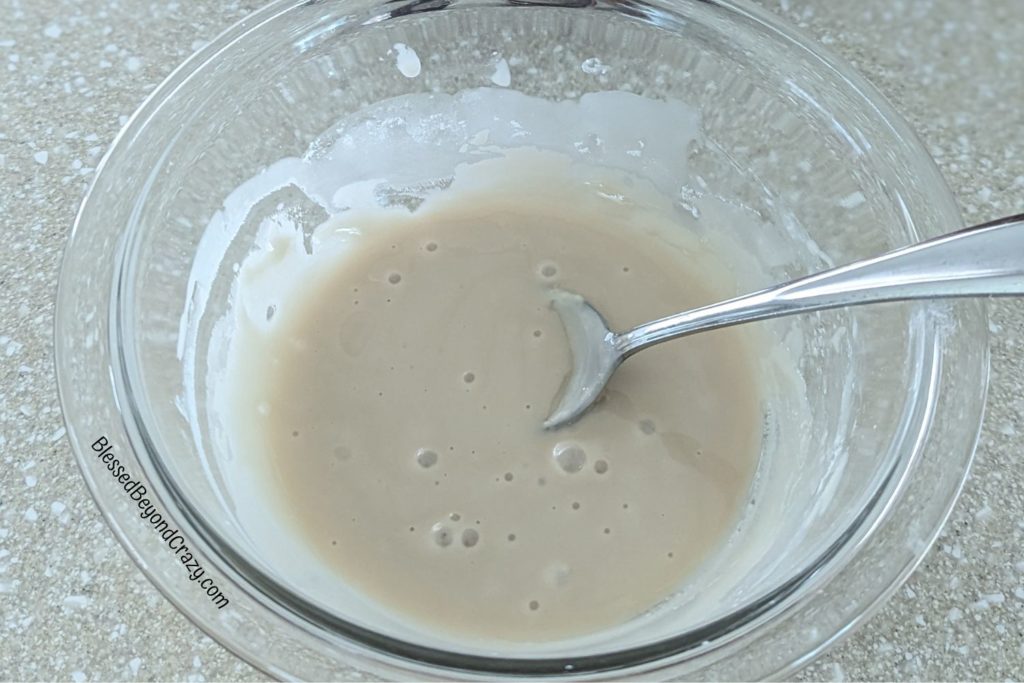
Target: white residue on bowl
point(594, 67)
point(406, 59)
point(501, 76)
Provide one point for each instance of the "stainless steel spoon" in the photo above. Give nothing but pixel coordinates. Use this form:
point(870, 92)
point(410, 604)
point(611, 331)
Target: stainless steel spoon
point(985, 260)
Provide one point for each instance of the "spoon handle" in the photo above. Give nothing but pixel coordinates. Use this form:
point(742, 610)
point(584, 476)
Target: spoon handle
point(984, 260)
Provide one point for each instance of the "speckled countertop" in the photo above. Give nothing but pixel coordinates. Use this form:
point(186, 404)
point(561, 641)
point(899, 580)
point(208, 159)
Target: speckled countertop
point(73, 606)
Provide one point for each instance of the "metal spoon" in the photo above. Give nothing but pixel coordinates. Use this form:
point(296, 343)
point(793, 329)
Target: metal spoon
point(985, 260)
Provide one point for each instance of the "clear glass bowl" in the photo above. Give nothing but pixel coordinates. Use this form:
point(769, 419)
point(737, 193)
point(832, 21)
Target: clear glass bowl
point(806, 145)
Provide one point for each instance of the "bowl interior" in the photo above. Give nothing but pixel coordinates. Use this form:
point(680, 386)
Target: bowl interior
point(783, 138)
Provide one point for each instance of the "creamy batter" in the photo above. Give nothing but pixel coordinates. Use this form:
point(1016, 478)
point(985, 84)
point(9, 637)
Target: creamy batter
point(403, 381)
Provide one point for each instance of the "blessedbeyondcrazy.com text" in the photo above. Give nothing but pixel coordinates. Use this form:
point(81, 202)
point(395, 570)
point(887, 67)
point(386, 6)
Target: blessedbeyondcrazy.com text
point(174, 540)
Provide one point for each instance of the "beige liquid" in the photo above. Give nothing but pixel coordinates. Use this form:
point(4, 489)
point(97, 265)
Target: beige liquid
point(400, 402)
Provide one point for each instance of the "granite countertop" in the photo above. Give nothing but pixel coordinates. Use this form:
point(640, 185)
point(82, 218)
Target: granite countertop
point(74, 606)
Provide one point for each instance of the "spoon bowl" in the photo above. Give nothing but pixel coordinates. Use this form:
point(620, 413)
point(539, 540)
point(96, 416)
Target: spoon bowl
point(594, 354)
